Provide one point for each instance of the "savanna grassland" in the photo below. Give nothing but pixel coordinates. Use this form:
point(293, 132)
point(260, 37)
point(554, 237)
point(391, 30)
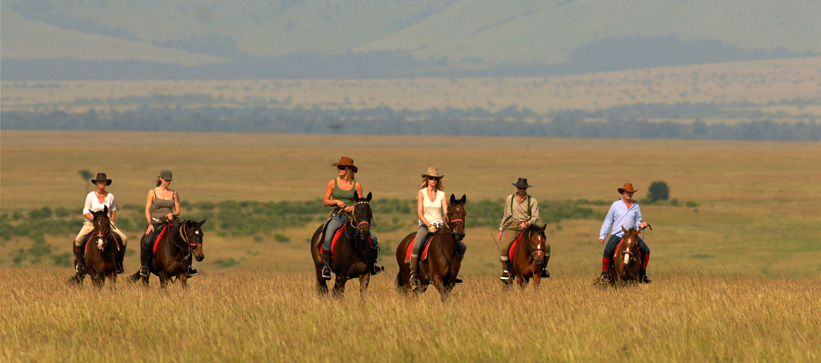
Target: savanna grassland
point(756, 85)
point(736, 276)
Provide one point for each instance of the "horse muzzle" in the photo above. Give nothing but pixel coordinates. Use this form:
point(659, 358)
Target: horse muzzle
point(199, 258)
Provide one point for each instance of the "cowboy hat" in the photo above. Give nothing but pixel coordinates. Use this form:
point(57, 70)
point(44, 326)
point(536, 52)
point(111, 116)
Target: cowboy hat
point(346, 161)
point(101, 177)
point(433, 172)
point(522, 183)
point(628, 187)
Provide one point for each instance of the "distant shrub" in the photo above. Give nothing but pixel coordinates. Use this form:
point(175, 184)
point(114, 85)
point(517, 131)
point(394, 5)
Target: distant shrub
point(691, 204)
point(658, 191)
point(281, 238)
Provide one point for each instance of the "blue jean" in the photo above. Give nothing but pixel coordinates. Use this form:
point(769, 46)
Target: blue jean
point(338, 220)
point(610, 248)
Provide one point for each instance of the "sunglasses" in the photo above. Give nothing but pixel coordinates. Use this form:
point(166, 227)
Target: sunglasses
point(433, 178)
point(341, 167)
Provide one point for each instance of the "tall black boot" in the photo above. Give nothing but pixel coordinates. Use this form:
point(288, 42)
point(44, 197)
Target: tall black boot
point(79, 268)
point(326, 265)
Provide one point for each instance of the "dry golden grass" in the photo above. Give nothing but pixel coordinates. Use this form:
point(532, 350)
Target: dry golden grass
point(260, 316)
point(757, 82)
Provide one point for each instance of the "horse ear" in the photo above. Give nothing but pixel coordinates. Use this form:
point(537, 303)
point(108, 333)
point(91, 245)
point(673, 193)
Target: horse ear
point(544, 227)
point(463, 199)
point(622, 228)
point(105, 210)
point(199, 224)
point(368, 198)
point(452, 198)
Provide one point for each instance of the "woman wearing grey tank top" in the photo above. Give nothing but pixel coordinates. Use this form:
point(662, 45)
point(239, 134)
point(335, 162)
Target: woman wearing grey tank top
point(161, 205)
point(339, 195)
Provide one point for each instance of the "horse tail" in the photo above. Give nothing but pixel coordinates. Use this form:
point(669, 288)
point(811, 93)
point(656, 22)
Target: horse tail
point(134, 278)
point(399, 285)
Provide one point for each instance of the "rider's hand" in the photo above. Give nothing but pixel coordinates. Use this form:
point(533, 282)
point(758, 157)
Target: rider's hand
point(601, 241)
point(150, 228)
point(643, 225)
point(340, 204)
point(523, 224)
point(348, 209)
point(169, 216)
point(499, 236)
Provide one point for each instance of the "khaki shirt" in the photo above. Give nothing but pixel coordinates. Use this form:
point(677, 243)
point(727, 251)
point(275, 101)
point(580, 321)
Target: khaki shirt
point(519, 212)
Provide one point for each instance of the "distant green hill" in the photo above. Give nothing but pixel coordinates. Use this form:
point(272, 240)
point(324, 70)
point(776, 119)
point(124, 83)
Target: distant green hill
point(383, 38)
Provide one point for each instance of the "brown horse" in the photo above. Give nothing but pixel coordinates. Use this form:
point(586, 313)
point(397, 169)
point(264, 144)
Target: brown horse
point(530, 256)
point(353, 254)
point(101, 250)
point(180, 242)
point(444, 257)
point(627, 259)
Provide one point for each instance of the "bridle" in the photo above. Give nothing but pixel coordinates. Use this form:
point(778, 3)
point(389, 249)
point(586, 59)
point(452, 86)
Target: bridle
point(191, 245)
point(357, 225)
point(452, 223)
point(539, 248)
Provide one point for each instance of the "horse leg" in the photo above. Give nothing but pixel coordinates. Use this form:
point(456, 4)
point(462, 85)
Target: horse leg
point(339, 284)
point(182, 277)
point(163, 279)
point(522, 281)
point(321, 285)
point(537, 278)
point(440, 286)
point(364, 280)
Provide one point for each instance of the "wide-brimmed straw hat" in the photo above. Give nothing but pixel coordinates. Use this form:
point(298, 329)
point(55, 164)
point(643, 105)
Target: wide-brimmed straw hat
point(346, 161)
point(166, 175)
point(101, 177)
point(522, 183)
point(628, 187)
point(434, 172)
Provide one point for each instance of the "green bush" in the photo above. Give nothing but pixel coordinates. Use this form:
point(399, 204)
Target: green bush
point(658, 191)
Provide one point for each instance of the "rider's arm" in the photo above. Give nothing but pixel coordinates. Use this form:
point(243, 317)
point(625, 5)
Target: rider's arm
point(327, 201)
point(444, 208)
point(639, 222)
point(87, 206)
point(177, 209)
point(359, 190)
point(113, 216)
point(506, 216)
point(608, 222)
point(148, 200)
point(420, 207)
point(534, 211)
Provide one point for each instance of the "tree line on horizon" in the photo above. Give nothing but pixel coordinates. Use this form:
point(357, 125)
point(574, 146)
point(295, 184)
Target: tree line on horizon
point(620, 122)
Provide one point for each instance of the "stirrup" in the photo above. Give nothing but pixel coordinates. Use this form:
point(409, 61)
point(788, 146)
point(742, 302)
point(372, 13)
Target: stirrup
point(505, 275)
point(414, 279)
point(326, 272)
point(144, 271)
point(377, 268)
point(79, 269)
point(545, 273)
point(192, 271)
point(605, 277)
point(457, 280)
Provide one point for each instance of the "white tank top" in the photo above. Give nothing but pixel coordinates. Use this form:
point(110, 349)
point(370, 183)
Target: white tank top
point(432, 210)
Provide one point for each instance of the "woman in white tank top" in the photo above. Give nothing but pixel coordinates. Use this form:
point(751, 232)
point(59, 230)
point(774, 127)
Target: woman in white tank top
point(431, 207)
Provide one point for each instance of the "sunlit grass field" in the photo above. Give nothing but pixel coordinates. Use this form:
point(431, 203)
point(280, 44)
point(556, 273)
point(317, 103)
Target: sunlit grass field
point(735, 278)
point(259, 316)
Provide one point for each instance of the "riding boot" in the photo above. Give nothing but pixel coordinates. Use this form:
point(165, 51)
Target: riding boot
point(505, 270)
point(414, 268)
point(605, 277)
point(326, 265)
point(192, 271)
point(145, 259)
point(458, 279)
point(79, 268)
point(545, 274)
point(119, 264)
point(377, 268)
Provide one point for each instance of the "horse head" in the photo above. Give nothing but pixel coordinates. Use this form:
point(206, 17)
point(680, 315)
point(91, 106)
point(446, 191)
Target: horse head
point(456, 216)
point(362, 215)
point(191, 232)
point(102, 227)
point(631, 244)
point(536, 243)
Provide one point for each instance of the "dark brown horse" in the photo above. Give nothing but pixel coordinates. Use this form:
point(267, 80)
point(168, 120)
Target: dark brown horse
point(530, 256)
point(353, 254)
point(627, 259)
point(180, 242)
point(444, 257)
point(101, 249)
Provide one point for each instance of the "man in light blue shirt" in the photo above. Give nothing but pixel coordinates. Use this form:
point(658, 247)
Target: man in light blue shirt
point(626, 213)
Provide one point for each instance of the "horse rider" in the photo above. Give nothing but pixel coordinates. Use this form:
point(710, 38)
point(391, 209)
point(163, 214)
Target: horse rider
point(97, 201)
point(162, 205)
point(520, 211)
point(625, 212)
point(339, 195)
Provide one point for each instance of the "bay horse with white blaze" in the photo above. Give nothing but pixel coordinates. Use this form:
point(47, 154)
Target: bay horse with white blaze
point(171, 254)
point(441, 260)
point(529, 256)
point(100, 252)
point(627, 259)
point(352, 252)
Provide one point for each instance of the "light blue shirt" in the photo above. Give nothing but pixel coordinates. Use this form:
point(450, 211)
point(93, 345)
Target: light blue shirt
point(619, 216)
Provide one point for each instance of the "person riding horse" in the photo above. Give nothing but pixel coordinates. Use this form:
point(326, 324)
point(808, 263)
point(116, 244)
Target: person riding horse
point(97, 201)
point(521, 211)
point(342, 203)
point(626, 213)
point(162, 205)
point(430, 208)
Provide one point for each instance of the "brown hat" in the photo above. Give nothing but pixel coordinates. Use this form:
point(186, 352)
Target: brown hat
point(101, 177)
point(434, 172)
point(628, 187)
point(346, 161)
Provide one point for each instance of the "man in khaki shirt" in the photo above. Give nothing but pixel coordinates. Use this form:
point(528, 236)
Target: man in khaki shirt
point(521, 210)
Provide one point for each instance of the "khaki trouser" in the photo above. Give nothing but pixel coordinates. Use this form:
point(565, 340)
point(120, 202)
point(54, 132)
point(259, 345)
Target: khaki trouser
point(88, 227)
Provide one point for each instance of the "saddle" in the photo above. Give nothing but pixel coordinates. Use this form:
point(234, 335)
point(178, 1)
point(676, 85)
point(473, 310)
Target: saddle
point(335, 239)
point(424, 255)
point(154, 244)
point(513, 245)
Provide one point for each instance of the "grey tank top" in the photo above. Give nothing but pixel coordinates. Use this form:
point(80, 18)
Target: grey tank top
point(161, 207)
